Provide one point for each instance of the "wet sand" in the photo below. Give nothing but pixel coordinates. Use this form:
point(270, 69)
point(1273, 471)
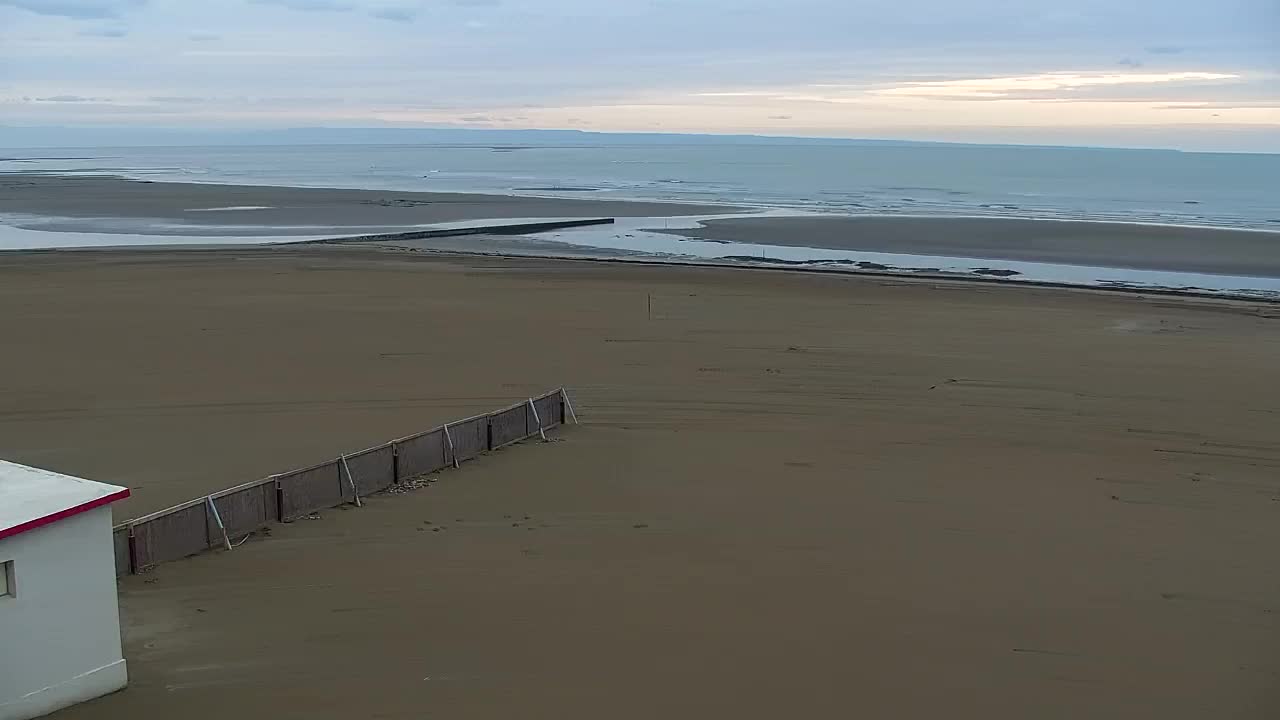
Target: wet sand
point(119, 206)
point(1142, 247)
point(108, 204)
point(794, 496)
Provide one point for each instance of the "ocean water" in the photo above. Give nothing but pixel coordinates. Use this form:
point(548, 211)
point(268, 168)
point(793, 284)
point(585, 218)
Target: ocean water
point(1162, 187)
point(643, 236)
point(1166, 187)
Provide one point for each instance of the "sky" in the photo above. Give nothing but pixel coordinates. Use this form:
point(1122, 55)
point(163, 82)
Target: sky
point(1190, 74)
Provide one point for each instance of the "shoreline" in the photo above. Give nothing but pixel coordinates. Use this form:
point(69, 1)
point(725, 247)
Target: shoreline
point(1050, 251)
point(1194, 205)
point(1135, 246)
point(604, 257)
point(71, 203)
point(682, 209)
point(1136, 223)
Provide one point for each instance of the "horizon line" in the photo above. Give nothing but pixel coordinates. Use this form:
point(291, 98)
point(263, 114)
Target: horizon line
point(260, 130)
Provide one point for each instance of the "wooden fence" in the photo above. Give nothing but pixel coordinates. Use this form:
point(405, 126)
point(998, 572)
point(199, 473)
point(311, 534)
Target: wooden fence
point(220, 519)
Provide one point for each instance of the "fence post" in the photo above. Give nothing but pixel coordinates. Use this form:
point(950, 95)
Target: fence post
point(218, 519)
point(352, 482)
point(279, 500)
point(564, 396)
point(453, 454)
point(395, 463)
point(542, 433)
point(133, 552)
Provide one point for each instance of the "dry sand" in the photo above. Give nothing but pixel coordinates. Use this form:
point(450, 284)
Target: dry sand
point(794, 496)
point(1125, 245)
point(91, 204)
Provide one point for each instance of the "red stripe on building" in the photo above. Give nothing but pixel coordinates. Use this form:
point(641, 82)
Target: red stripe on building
point(63, 514)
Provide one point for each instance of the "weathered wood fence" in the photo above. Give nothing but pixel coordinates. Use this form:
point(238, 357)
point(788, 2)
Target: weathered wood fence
point(220, 519)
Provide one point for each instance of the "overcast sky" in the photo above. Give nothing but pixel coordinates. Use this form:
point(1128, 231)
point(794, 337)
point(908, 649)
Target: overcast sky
point(1184, 73)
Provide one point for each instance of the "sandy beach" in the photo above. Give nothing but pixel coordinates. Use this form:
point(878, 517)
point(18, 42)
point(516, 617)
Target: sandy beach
point(793, 495)
point(1143, 247)
point(110, 204)
point(183, 212)
point(639, 360)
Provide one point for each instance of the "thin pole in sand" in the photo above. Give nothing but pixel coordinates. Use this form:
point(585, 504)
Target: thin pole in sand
point(449, 439)
point(218, 519)
point(351, 481)
point(542, 433)
point(564, 395)
point(650, 296)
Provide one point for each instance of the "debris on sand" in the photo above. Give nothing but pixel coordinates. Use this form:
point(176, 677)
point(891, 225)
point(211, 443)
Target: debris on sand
point(406, 486)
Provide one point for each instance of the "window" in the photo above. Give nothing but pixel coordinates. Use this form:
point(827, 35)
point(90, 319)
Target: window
point(7, 588)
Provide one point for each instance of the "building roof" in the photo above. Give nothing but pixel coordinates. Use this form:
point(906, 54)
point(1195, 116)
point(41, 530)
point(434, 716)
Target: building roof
point(31, 497)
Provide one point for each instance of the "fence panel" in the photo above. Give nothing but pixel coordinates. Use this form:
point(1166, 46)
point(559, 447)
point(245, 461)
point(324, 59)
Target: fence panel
point(470, 437)
point(423, 454)
point(373, 470)
point(245, 508)
point(190, 528)
point(550, 410)
point(120, 541)
point(305, 491)
point(508, 426)
point(170, 535)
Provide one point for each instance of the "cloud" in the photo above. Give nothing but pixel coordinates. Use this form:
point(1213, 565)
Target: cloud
point(272, 53)
point(848, 67)
point(1004, 87)
point(71, 99)
point(490, 119)
point(292, 101)
point(1264, 105)
point(308, 5)
point(740, 94)
point(81, 9)
point(395, 14)
point(106, 32)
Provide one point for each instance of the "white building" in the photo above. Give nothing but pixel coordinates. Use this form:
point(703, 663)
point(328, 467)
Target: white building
point(59, 619)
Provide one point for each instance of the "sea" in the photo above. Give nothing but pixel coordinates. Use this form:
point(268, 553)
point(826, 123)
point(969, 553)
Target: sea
point(1147, 186)
point(1221, 190)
